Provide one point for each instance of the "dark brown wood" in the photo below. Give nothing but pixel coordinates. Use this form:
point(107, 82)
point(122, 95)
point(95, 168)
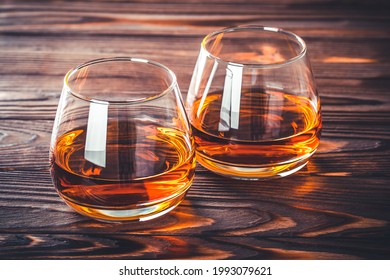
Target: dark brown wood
point(338, 207)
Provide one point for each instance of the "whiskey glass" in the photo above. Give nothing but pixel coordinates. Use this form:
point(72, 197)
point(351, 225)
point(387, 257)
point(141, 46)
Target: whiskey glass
point(121, 146)
point(253, 103)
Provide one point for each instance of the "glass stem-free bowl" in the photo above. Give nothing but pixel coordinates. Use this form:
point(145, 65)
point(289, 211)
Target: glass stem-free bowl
point(121, 146)
point(253, 103)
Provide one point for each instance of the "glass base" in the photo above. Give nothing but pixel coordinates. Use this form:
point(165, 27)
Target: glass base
point(138, 213)
point(253, 172)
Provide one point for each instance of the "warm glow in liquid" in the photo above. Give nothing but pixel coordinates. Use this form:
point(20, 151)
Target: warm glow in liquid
point(145, 165)
point(276, 130)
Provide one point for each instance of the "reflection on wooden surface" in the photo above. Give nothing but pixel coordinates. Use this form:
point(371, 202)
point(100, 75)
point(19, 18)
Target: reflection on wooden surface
point(337, 207)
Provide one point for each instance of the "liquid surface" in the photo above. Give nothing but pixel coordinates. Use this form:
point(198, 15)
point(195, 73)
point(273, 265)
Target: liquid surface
point(274, 128)
point(144, 164)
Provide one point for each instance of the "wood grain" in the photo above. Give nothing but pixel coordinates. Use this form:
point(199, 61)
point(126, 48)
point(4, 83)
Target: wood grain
point(114, 246)
point(338, 207)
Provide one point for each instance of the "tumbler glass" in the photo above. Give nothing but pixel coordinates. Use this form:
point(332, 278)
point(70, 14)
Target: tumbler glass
point(121, 146)
point(253, 103)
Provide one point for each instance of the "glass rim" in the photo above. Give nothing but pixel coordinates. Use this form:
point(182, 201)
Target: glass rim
point(76, 69)
point(292, 35)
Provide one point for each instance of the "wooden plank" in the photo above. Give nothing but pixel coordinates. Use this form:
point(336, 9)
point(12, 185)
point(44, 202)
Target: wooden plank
point(342, 99)
point(29, 141)
point(114, 246)
point(337, 58)
point(207, 7)
point(313, 203)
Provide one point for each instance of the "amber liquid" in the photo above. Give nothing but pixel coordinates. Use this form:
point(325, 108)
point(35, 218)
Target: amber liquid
point(277, 133)
point(147, 171)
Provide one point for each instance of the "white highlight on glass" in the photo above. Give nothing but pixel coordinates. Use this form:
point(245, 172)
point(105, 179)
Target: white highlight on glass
point(197, 75)
point(95, 146)
point(230, 109)
point(207, 88)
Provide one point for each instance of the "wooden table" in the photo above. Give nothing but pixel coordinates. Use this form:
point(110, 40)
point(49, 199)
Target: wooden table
point(336, 208)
